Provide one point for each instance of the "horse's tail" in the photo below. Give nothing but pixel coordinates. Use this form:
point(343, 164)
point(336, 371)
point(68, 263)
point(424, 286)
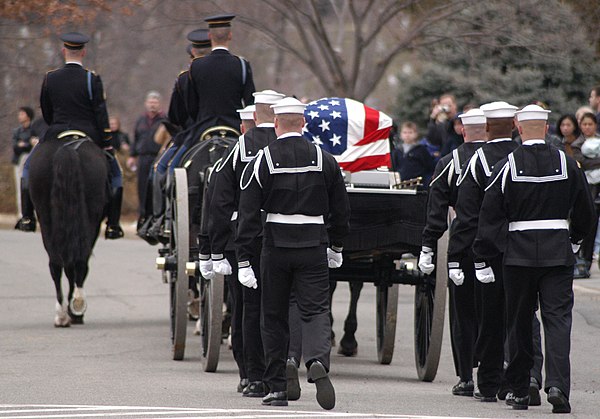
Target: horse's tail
point(68, 207)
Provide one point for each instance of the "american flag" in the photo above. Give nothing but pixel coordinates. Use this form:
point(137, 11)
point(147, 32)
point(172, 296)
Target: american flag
point(354, 133)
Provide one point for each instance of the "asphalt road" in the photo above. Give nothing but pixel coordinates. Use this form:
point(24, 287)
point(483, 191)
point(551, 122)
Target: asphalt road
point(118, 364)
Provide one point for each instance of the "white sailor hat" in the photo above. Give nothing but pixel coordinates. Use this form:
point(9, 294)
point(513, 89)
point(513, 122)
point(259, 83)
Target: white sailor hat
point(498, 110)
point(288, 105)
point(473, 116)
point(268, 97)
point(532, 112)
point(247, 113)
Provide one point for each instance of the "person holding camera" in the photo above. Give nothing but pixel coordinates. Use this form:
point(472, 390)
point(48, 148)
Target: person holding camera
point(440, 124)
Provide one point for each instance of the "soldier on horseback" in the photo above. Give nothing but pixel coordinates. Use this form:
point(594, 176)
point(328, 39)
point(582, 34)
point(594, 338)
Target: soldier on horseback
point(72, 98)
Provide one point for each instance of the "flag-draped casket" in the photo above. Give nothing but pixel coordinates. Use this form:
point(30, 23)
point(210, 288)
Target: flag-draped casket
point(358, 137)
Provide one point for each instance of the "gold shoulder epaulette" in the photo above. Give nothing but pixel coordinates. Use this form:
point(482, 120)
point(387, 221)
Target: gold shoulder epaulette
point(196, 58)
point(182, 72)
point(91, 71)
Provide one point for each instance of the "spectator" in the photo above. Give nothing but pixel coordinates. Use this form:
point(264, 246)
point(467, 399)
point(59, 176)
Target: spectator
point(440, 120)
point(144, 149)
point(455, 137)
point(411, 159)
point(594, 100)
point(23, 140)
point(567, 131)
point(588, 126)
point(119, 138)
point(582, 111)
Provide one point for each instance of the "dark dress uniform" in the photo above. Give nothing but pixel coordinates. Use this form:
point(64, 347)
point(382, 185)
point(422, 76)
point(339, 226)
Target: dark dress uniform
point(220, 83)
point(72, 98)
point(301, 189)
point(246, 337)
point(178, 114)
point(543, 196)
point(489, 298)
point(443, 193)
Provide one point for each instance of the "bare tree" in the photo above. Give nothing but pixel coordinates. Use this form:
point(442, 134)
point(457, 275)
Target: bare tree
point(348, 45)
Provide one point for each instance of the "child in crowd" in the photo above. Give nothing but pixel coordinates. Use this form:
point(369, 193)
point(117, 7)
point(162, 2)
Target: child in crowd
point(411, 159)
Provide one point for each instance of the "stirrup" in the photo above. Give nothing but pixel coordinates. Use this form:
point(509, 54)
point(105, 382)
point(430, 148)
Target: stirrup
point(113, 232)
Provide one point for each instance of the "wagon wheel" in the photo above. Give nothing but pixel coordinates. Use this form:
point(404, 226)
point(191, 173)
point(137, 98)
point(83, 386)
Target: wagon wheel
point(387, 310)
point(211, 318)
point(430, 306)
point(180, 242)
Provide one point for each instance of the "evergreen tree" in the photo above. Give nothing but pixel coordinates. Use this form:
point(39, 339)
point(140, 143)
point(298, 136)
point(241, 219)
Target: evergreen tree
point(536, 51)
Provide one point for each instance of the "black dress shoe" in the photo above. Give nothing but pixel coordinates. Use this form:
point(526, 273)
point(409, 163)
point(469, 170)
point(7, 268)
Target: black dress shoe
point(325, 391)
point(560, 403)
point(113, 232)
point(254, 389)
point(293, 384)
point(534, 393)
point(463, 388)
point(276, 398)
point(26, 224)
point(517, 403)
point(242, 384)
point(503, 391)
point(486, 399)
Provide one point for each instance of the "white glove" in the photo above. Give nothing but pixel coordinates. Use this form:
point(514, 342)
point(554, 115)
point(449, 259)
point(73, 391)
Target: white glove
point(575, 247)
point(206, 269)
point(334, 259)
point(425, 260)
point(485, 275)
point(222, 267)
point(247, 278)
point(457, 276)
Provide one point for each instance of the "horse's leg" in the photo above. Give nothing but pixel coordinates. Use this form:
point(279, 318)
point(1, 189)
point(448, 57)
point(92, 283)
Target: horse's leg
point(61, 318)
point(77, 303)
point(348, 344)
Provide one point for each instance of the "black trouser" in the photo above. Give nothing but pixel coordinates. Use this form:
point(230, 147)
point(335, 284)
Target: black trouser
point(254, 356)
point(489, 303)
point(587, 245)
point(554, 288)
point(306, 272)
point(236, 300)
point(538, 356)
point(463, 321)
point(144, 165)
point(295, 346)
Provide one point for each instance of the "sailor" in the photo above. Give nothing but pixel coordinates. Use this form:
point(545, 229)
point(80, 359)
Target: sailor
point(543, 196)
point(72, 98)
point(220, 83)
point(489, 295)
point(222, 223)
point(301, 189)
point(442, 194)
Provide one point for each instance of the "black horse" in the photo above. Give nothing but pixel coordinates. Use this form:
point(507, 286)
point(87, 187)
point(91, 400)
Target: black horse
point(69, 189)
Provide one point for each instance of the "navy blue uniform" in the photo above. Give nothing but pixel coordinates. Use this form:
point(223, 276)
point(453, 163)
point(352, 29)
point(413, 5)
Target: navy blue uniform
point(539, 200)
point(220, 83)
point(72, 98)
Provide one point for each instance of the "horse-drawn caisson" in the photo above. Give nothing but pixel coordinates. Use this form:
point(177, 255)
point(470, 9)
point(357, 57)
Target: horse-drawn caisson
point(388, 217)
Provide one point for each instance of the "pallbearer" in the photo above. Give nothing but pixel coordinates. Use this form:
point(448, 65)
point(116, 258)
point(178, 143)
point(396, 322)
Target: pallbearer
point(442, 194)
point(302, 192)
point(489, 293)
point(543, 196)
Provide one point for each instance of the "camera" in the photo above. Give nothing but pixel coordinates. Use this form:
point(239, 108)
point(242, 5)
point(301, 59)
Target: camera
point(445, 108)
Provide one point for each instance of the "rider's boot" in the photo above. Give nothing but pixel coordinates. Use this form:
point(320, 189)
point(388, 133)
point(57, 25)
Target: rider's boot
point(27, 221)
point(113, 229)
